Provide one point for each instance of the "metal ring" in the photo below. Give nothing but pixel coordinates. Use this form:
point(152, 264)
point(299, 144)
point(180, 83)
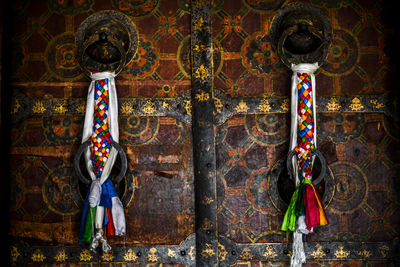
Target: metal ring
point(286, 21)
point(321, 159)
point(318, 55)
point(114, 42)
point(124, 162)
point(113, 17)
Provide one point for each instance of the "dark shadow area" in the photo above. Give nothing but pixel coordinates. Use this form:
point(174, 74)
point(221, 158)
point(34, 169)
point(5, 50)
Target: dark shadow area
point(6, 96)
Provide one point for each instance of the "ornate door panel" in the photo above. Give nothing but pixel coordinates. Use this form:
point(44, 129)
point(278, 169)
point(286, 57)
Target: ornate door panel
point(204, 115)
point(49, 93)
point(355, 128)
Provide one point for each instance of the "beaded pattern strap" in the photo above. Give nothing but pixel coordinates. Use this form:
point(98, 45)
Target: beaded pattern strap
point(305, 128)
point(101, 138)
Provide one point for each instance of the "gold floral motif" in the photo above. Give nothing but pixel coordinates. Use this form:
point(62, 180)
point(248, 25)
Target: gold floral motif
point(127, 108)
point(333, 104)
point(218, 105)
point(171, 253)
point(208, 252)
point(203, 96)
point(207, 200)
point(270, 253)
point(153, 257)
point(377, 104)
point(107, 256)
point(85, 255)
point(221, 252)
point(38, 107)
point(81, 108)
point(242, 107)
point(15, 106)
point(38, 256)
point(200, 48)
point(60, 107)
point(130, 255)
point(246, 254)
point(264, 106)
point(199, 25)
point(285, 105)
point(202, 73)
point(384, 250)
point(318, 253)
point(14, 254)
point(149, 107)
point(365, 253)
point(207, 225)
point(200, 2)
point(165, 105)
point(61, 255)
point(188, 107)
point(192, 253)
point(356, 104)
point(341, 254)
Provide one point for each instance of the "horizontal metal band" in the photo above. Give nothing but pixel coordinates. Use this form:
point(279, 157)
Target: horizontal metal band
point(181, 107)
point(228, 253)
point(184, 253)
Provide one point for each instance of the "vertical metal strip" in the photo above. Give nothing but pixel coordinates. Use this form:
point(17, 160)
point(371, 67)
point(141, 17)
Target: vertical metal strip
point(203, 135)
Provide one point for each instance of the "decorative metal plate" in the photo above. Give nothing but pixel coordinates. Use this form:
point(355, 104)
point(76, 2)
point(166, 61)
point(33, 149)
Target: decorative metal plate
point(106, 40)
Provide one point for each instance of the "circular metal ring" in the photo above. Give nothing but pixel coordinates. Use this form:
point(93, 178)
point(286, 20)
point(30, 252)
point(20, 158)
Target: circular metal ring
point(321, 159)
point(301, 18)
point(114, 42)
point(119, 27)
point(78, 155)
point(290, 56)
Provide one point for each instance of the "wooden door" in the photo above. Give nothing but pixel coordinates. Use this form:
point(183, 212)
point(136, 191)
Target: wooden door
point(204, 120)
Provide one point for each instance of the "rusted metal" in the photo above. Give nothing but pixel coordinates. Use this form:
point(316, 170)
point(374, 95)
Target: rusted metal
point(204, 162)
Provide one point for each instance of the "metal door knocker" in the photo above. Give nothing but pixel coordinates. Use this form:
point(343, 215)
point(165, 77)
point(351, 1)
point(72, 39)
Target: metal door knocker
point(106, 42)
point(301, 36)
point(301, 33)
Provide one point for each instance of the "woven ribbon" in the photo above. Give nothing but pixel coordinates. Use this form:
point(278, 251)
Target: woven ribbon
point(102, 206)
point(305, 209)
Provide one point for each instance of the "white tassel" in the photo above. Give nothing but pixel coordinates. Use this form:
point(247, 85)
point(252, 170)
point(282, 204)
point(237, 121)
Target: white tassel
point(118, 216)
point(95, 193)
point(298, 256)
point(100, 239)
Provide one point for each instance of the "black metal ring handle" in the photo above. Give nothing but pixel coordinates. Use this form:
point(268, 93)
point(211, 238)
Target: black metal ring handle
point(78, 155)
point(315, 55)
point(321, 159)
point(114, 42)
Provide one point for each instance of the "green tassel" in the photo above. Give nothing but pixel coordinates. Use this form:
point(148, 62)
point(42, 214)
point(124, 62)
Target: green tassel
point(289, 221)
point(295, 208)
point(300, 201)
point(89, 224)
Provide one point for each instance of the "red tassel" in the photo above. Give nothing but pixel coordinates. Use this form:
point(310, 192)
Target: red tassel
point(311, 205)
point(110, 224)
point(323, 220)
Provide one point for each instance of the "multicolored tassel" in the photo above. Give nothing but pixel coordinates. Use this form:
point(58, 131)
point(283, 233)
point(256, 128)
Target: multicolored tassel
point(305, 200)
point(101, 198)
